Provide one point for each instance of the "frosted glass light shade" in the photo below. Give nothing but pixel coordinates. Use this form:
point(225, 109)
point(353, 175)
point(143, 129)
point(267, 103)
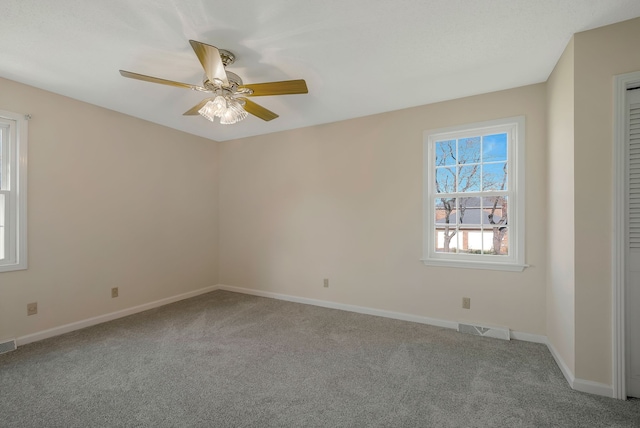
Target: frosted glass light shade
point(233, 114)
point(229, 110)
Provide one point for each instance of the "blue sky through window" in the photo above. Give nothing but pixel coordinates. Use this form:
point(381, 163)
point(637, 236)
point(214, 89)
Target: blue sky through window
point(494, 148)
point(460, 164)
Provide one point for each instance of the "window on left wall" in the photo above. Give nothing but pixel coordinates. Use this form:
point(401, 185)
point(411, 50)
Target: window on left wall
point(13, 191)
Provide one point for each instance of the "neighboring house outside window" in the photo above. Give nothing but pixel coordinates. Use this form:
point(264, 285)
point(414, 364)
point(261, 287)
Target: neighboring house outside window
point(474, 195)
point(13, 191)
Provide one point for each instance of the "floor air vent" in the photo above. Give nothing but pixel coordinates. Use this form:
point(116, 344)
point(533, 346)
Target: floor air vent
point(479, 330)
point(9, 345)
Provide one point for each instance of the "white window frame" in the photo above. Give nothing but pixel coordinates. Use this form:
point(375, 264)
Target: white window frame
point(13, 127)
point(515, 261)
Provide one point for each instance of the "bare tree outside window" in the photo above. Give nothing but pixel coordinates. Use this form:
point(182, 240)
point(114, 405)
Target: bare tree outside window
point(471, 166)
point(498, 205)
point(460, 173)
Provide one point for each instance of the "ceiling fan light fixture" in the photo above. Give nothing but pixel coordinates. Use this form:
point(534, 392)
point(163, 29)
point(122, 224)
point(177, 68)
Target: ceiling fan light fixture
point(228, 100)
point(219, 105)
point(229, 110)
point(234, 113)
point(208, 111)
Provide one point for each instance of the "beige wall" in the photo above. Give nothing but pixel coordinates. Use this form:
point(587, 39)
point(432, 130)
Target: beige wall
point(113, 201)
point(560, 208)
point(599, 55)
point(344, 201)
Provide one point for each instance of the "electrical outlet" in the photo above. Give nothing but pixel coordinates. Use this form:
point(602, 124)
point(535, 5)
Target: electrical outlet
point(114, 292)
point(32, 308)
point(466, 303)
point(326, 282)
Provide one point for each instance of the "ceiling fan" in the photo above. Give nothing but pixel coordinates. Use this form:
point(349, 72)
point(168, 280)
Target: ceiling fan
point(229, 100)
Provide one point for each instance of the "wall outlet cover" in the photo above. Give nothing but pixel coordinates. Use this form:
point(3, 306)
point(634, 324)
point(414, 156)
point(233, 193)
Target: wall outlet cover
point(32, 308)
point(466, 303)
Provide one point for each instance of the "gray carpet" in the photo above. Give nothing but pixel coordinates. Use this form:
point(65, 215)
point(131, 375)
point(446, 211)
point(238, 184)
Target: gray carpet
point(231, 360)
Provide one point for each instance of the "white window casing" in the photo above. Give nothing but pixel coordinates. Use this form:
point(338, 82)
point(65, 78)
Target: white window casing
point(472, 245)
point(13, 191)
point(633, 159)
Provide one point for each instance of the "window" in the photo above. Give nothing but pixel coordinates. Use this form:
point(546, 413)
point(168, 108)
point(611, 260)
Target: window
point(13, 191)
point(474, 196)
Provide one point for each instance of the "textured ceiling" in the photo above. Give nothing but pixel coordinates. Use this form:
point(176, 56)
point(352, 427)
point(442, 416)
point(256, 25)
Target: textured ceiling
point(359, 57)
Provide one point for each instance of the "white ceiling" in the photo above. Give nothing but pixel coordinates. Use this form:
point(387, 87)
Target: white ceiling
point(359, 57)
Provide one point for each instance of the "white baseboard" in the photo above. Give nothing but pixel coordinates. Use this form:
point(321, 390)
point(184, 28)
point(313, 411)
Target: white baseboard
point(343, 307)
point(56, 331)
point(527, 337)
point(596, 388)
point(566, 371)
point(576, 383)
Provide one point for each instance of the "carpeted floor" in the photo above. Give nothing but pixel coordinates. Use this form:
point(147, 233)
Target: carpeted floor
point(231, 360)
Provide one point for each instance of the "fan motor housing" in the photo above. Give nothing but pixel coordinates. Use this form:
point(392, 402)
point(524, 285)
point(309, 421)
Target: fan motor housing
point(234, 82)
point(227, 57)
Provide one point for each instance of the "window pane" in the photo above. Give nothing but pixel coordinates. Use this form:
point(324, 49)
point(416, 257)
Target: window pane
point(446, 152)
point(499, 237)
point(495, 210)
point(469, 150)
point(446, 180)
point(445, 217)
point(470, 240)
point(494, 176)
point(446, 239)
point(445, 211)
point(469, 210)
point(469, 178)
point(494, 148)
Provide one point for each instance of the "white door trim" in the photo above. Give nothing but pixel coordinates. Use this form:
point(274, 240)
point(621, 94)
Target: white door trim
point(618, 250)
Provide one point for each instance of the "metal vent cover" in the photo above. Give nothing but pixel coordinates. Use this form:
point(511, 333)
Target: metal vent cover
point(7, 346)
point(485, 331)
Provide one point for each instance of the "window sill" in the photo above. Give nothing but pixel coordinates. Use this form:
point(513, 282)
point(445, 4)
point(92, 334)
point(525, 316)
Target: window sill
point(511, 267)
point(13, 267)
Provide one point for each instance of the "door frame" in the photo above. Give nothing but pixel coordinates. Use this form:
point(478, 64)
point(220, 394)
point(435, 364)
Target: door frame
point(618, 248)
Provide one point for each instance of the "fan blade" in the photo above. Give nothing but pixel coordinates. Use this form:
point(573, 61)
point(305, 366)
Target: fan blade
point(161, 81)
point(258, 111)
point(287, 87)
point(209, 57)
point(194, 110)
